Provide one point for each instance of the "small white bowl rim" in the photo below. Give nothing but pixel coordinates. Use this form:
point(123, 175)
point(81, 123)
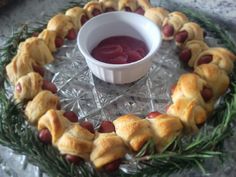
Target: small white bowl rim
point(119, 66)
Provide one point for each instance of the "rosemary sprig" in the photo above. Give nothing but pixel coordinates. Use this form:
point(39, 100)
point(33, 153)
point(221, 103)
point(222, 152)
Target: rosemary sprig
point(21, 137)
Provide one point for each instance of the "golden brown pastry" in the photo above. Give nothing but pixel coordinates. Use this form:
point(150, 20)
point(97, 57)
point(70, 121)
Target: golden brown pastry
point(127, 5)
point(216, 78)
point(189, 112)
point(144, 4)
point(157, 15)
point(77, 15)
point(134, 130)
point(76, 141)
point(189, 31)
point(172, 24)
point(191, 86)
point(191, 51)
point(109, 5)
point(93, 8)
point(20, 65)
point(49, 38)
point(55, 122)
point(62, 24)
point(41, 103)
point(28, 86)
point(37, 49)
point(221, 57)
point(107, 147)
point(165, 128)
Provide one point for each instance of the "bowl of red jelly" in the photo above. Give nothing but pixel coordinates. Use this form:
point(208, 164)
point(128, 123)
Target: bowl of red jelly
point(119, 46)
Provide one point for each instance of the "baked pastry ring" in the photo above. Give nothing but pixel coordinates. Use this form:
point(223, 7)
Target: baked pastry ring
point(41, 103)
point(55, 122)
point(127, 5)
point(189, 31)
point(134, 130)
point(20, 65)
point(77, 14)
point(28, 86)
point(76, 141)
point(61, 24)
point(37, 49)
point(156, 14)
point(49, 38)
point(172, 23)
point(191, 86)
point(189, 112)
point(107, 147)
point(219, 56)
point(165, 128)
point(93, 8)
point(216, 78)
point(191, 51)
point(109, 5)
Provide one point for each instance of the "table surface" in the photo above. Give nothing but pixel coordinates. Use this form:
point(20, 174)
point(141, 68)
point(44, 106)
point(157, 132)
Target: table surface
point(27, 11)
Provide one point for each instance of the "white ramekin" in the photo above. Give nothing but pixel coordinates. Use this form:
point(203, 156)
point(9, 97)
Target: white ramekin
point(118, 24)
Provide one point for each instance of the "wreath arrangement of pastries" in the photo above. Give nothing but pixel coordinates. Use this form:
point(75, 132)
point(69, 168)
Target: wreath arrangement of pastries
point(193, 96)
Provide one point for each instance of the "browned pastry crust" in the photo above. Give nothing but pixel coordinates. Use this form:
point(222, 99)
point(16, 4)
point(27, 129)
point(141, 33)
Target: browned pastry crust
point(20, 65)
point(61, 24)
point(196, 47)
point(221, 57)
point(189, 112)
point(132, 4)
point(49, 38)
point(134, 130)
point(76, 141)
point(145, 4)
point(165, 128)
point(37, 49)
point(216, 78)
point(107, 147)
point(76, 13)
point(176, 20)
point(195, 32)
point(91, 6)
point(156, 14)
point(189, 86)
point(41, 103)
point(55, 122)
point(109, 4)
point(31, 85)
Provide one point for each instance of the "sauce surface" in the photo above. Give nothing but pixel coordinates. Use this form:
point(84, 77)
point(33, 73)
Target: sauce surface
point(120, 50)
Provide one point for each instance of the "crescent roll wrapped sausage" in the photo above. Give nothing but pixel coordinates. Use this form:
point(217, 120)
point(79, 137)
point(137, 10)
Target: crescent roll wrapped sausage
point(37, 49)
point(221, 57)
point(20, 65)
point(127, 5)
point(76, 141)
point(55, 122)
point(216, 78)
point(107, 147)
point(28, 86)
point(78, 16)
point(49, 38)
point(165, 128)
point(191, 51)
point(61, 24)
point(191, 86)
point(41, 103)
point(93, 8)
point(189, 31)
point(109, 5)
point(172, 24)
point(134, 130)
point(156, 14)
point(189, 112)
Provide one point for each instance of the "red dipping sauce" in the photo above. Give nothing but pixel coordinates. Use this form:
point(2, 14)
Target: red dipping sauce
point(120, 50)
